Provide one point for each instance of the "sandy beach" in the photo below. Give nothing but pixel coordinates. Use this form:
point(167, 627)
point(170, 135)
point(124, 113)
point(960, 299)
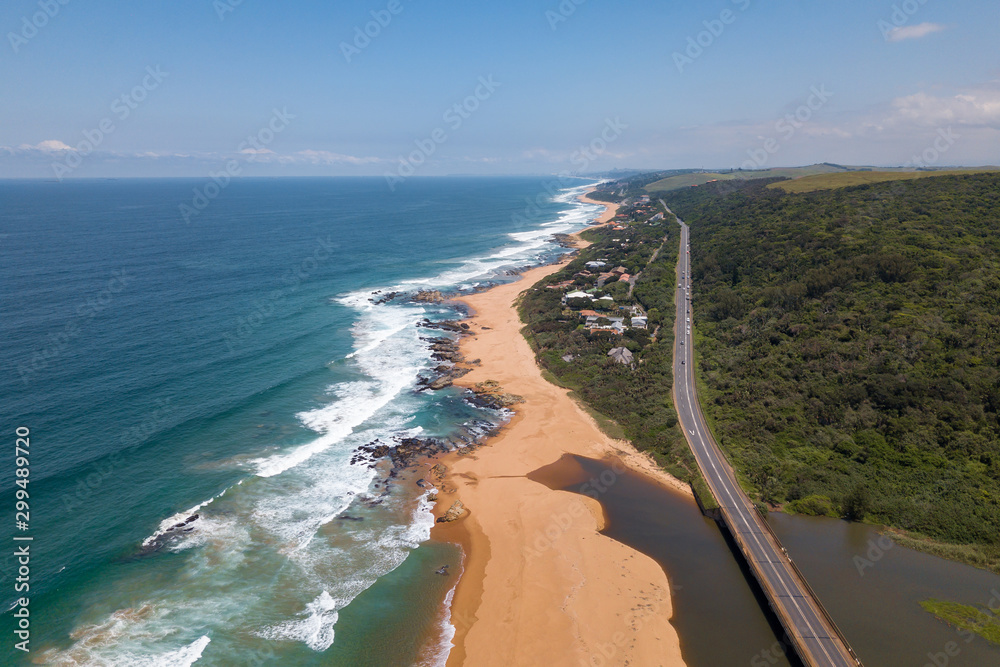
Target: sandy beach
point(541, 585)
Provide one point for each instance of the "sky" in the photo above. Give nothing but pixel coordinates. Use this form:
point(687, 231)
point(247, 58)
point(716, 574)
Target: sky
point(398, 88)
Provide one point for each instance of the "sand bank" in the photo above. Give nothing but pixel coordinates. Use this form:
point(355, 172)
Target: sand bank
point(541, 585)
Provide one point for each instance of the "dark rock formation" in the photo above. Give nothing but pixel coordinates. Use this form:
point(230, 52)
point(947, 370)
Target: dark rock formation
point(384, 298)
point(490, 394)
point(176, 530)
point(444, 325)
point(454, 513)
point(428, 296)
point(400, 455)
point(564, 240)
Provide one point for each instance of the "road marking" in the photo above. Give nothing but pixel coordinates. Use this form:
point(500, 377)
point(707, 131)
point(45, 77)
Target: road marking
point(776, 572)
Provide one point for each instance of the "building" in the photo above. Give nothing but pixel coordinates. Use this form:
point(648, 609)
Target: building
point(622, 355)
point(604, 277)
point(575, 295)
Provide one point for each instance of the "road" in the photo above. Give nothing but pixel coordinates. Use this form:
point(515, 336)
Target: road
point(807, 625)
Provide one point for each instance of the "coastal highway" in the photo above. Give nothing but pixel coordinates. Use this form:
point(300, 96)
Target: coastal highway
point(809, 629)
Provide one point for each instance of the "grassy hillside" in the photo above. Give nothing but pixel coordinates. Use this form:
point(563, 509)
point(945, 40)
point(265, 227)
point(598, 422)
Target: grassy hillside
point(676, 182)
point(685, 181)
point(851, 178)
point(850, 344)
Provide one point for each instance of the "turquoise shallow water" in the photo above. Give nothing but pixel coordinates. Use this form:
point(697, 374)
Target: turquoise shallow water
point(228, 368)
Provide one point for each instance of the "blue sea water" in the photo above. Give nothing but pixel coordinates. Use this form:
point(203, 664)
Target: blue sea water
point(229, 367)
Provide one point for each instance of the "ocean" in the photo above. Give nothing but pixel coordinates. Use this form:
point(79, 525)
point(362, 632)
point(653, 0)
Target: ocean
point(195, 390)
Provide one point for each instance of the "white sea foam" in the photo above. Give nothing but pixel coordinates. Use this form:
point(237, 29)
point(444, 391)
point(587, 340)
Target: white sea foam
point(274, 519)
point(125, 639)
point(315, 630)
point(390, 354)
point(527, 246)
point(183, 657)
point(175, 519)
point(437, 655)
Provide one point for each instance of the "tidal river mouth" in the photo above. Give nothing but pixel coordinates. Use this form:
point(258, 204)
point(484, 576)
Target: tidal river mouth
point(871, 586)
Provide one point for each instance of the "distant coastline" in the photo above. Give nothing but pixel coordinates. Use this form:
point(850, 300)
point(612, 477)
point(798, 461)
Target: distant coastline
point(531, 552)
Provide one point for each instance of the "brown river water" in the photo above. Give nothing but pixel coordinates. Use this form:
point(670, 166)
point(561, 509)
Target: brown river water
point(871, 586)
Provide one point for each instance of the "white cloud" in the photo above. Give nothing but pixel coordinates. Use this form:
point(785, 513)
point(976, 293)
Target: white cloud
point(913, 31)
point(326, 157)
point(47, 146)
point(975, 107)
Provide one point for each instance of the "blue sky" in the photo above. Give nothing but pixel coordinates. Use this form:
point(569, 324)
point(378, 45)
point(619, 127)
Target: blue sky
point(542, 86)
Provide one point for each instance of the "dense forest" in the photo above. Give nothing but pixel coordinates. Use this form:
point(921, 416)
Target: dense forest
point(848, 349)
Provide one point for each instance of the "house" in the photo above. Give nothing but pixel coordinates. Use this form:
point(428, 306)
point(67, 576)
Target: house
point(575, 295)
point(640, 322)
point(596, 264)
point(625, 278)
point(622, 355)
point(607, 300)
point(657, 217)
point(589, 313)
point(603, 278)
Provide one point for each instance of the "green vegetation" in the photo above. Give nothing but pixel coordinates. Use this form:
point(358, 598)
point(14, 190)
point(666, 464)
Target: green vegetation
point(851, 178)
point(982, 556)
point(812, 506)
point(628, 401)
point(849, 344)
point(982, 621)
